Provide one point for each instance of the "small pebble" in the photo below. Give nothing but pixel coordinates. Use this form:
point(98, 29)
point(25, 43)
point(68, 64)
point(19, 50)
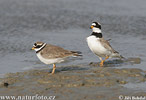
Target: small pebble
point(6, 84)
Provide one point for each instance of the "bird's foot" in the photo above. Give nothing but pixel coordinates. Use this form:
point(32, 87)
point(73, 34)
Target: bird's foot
point(101, 64)
point(51, 73)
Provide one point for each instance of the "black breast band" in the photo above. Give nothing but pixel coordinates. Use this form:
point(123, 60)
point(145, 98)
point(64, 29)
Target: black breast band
point(99, 35)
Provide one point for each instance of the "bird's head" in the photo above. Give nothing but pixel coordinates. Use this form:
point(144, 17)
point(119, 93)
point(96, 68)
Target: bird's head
point(96, 27)
point(38, 46)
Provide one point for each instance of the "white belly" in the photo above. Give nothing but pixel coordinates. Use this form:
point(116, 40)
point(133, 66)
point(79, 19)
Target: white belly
point(49, 61)
point(96, 47)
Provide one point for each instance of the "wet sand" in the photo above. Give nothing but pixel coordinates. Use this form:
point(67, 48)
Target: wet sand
point(78, 82)
point(23, 22)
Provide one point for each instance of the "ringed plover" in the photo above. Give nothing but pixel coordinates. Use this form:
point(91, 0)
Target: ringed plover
point(51, 54)
point(99, 46)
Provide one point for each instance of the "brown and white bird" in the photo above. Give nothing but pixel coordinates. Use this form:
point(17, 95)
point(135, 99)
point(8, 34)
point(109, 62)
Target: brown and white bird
point(99, 46)
point(50, 54)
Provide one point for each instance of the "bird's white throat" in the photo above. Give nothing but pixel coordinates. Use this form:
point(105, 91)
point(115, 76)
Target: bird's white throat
point(97, 30)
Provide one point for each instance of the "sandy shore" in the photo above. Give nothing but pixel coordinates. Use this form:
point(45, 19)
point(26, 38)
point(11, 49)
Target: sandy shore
point(75, 83)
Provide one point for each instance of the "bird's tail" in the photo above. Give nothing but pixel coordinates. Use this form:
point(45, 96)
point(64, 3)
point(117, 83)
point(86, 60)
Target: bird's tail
point(117, 55)
point(76, 53)
point(121, 57)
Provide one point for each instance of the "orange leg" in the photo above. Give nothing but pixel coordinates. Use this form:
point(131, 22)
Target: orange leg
point(102, 61)
point(54, 67)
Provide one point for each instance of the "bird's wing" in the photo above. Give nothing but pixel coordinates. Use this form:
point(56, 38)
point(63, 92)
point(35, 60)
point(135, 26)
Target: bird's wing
point(109, 39)
point(107, 45)
point(51, 51)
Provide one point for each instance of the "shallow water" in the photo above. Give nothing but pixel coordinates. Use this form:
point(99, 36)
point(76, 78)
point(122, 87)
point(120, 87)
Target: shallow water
point(137, 86)
point(66, 23)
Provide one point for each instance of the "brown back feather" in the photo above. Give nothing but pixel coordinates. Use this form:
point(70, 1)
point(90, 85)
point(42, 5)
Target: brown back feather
point(107, 45)
point(51, 51)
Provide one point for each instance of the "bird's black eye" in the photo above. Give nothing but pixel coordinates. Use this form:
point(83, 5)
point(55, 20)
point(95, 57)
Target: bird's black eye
point(35, 44)
point(38, 46)
point(96, 24)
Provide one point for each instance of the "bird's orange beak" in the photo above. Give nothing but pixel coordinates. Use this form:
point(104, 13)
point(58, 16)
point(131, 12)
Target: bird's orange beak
point(91, 27)
point(32, 48)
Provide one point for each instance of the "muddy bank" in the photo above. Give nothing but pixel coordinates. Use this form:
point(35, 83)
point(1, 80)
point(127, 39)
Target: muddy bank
point(66, 23)
point(75, 83)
